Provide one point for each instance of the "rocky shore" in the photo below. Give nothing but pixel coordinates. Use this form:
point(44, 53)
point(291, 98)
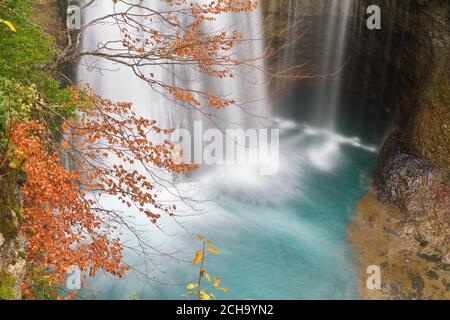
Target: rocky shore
point(403, 224)
point(45, 16)
point(412, 255)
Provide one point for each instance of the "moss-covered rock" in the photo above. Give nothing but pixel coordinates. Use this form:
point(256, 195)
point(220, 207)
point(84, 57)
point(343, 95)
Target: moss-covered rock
point(12, 245)
point(8, 194)
point(7, 283)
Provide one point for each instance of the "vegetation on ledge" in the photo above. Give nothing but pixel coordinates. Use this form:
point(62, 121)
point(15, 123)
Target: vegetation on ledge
point(41, 120)
point(7, 283)
point(29, 78)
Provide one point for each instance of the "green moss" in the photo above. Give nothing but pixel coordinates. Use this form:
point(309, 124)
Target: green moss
point(29, 56)
point(25, 53)
point(40, 287)
point(27, 82)
point(29, 79)
point(7, 283)
point(7, 198)
point(7, 227)
point(18, 211)
point(22, 255)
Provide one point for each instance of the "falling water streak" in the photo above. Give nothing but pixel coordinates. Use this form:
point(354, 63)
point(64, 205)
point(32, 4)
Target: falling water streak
point(288, 54)
point(333, 62)
point(248, 85)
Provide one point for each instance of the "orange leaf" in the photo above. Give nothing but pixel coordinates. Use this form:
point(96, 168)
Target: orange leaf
point(198, 257)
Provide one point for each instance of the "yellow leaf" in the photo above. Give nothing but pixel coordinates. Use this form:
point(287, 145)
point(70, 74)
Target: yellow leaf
point(208, 277)
point(216, 282)
point(198, 257)
point(191, 286)
point(224, 290)
point(213, 250)
point(204, 296)
point(209, 243)
point(200, 237)
point(9, 24)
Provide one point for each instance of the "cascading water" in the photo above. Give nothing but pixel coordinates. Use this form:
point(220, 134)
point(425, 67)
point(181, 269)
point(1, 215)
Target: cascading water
point(248, 86)
point(331, 30)
point(281, 236)
point(335, 51)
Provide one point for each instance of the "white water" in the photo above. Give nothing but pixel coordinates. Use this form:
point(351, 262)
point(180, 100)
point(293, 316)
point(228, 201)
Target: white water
point(112, 80)
point(333, 28)
point(247, 87)
point(117, 82)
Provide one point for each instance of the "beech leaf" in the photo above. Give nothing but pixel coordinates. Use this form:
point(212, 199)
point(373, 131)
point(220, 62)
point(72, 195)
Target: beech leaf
point(198, 257)
point(213, 250)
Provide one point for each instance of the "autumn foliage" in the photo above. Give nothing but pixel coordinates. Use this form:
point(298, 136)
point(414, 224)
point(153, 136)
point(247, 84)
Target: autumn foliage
point(178, 35)
point(196, 289)
point(60, 225)
point(108, 149)
point(64, 224)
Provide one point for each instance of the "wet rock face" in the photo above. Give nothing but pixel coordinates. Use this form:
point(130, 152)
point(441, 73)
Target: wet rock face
point(409, 72)
point(404, 224)
point(406, 65)
point(400, 61)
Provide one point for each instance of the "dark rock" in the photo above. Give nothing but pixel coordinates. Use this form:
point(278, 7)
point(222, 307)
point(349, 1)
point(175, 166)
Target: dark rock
point(446, 284)
point(405, 179)
point(432, 275)
point(417, 283)
point(394, 290)
point(421, 240)
point(430, 257)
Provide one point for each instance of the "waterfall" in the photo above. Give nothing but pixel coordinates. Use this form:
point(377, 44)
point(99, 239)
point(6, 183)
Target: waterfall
point(333, 61)
point(316, 44)
point(292, 221)
point(119, 83)
point(112, 80)
point(247, 87)
point(324, 51)
point(328, 93)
